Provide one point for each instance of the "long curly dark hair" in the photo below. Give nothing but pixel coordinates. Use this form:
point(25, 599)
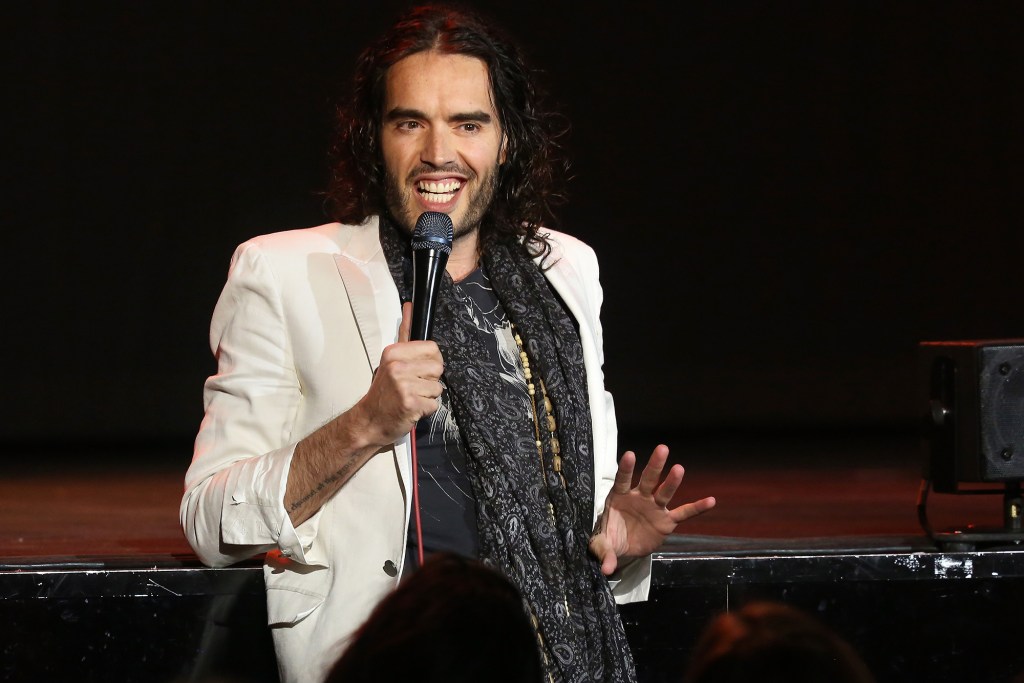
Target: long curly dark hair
point(530, 182)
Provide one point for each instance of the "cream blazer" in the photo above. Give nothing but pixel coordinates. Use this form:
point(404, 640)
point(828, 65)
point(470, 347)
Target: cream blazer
point(298, 331)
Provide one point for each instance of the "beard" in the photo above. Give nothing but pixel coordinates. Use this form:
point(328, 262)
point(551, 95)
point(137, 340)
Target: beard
point(403, 211)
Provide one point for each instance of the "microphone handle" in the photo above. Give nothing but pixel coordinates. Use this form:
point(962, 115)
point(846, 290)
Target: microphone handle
point(427, 268)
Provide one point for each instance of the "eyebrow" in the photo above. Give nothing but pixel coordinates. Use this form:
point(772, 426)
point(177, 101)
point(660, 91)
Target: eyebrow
point(406, 113)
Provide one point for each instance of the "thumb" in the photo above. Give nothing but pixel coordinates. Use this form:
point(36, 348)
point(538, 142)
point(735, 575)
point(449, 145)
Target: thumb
point(405, 329)
point(602, 549)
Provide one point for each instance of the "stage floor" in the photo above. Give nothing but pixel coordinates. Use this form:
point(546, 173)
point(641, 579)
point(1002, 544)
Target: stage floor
point(119, 503)
point(92, 556)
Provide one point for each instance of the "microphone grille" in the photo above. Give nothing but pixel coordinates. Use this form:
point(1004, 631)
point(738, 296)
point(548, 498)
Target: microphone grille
point(434, 230)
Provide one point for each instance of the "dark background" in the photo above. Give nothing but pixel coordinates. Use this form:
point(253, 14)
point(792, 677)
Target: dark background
point(786, 197)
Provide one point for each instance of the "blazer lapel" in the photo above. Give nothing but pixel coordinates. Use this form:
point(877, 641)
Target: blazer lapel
point(371, 291)
point(378, 313)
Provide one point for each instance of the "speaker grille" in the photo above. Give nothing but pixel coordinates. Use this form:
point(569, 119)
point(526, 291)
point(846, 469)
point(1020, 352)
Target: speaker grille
point(1001, 400)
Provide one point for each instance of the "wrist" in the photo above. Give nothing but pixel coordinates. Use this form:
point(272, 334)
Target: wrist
point(357, 428)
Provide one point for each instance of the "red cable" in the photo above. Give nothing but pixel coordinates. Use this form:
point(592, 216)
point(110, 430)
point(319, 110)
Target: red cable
point(416, 496)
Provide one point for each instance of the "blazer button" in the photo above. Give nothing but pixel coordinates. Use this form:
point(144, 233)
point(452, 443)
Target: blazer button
point(390, 569)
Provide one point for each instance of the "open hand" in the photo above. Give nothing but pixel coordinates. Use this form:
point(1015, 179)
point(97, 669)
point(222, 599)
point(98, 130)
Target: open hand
point(636, 520)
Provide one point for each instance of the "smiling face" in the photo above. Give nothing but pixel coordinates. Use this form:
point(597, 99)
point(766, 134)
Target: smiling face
point(441, 140)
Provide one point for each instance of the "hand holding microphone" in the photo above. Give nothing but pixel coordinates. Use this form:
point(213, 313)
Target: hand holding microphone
point(406, 384)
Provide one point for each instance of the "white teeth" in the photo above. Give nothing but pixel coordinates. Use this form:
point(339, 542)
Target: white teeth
point(434, 188)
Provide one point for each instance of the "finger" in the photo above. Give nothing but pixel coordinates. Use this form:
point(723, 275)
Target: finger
point(652, 472)
point(663, 494)
point(624, 475)
point(405, 329)
point(412, 360)
point(426, 361)
point(427, 387)
point(435, 405)
point(698, 507)
point(424, 406)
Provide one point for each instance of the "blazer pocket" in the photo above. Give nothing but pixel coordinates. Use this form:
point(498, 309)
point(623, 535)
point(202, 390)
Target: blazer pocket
point(294, 591)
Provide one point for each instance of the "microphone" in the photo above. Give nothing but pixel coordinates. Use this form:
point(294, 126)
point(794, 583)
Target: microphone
point(431, 245)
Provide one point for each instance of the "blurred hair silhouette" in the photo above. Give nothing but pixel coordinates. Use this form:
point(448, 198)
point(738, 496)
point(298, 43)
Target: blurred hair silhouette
point(453, 620)
point(770, 643)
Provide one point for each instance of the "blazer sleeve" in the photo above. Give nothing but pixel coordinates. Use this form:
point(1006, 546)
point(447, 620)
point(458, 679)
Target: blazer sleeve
point(233, 505)
point(632, 582)
point(579, 282)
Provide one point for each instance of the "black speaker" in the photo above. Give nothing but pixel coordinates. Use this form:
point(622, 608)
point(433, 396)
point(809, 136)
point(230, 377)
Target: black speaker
point(974, 429)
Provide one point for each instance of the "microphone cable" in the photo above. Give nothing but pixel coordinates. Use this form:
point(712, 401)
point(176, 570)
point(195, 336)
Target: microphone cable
point(416, 495)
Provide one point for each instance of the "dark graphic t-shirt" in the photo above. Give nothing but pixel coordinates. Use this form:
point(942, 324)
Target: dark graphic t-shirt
point(447, 503)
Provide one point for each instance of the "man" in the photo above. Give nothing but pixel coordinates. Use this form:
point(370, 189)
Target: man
point(304, 453)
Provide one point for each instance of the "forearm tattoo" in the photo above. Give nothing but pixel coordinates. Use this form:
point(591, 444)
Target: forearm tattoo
point(340, 474)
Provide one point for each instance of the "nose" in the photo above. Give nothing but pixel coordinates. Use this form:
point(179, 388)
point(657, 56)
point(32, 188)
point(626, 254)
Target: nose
point(438, 149)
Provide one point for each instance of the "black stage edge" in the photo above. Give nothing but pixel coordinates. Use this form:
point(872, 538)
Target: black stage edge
point(914, 613)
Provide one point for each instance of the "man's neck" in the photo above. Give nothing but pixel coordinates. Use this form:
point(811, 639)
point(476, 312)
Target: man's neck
point(465, 256)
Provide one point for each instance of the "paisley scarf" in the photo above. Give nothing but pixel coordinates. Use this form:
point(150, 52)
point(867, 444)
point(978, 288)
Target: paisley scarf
point(533, 521)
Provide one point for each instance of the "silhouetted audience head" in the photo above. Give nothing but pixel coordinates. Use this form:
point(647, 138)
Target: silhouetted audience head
point(453, 620)
point(772, 642)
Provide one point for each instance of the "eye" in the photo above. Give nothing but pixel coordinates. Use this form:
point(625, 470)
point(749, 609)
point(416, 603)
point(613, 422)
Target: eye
point(470, 127)
point(407, 125)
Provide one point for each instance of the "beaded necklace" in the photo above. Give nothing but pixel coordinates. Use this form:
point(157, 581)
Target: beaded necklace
point(549, 412)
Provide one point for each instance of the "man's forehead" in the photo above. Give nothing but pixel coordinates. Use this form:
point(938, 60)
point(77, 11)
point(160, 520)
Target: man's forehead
point(438, 75)
point(423, 58)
